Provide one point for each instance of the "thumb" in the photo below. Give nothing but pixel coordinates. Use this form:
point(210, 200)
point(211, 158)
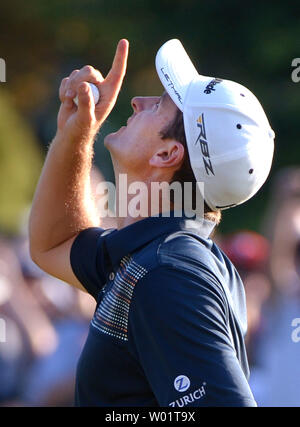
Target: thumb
point(86, 105)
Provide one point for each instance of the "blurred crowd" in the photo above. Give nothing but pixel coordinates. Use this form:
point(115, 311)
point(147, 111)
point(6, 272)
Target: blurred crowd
point(269, 264)
point(44, 322)
point(44, 325)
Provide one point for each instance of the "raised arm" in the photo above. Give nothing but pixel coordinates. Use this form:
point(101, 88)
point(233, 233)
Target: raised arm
point(62, 205)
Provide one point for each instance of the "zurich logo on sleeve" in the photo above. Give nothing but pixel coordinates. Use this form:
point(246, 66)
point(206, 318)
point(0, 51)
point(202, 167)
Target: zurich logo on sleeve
point(182, 383)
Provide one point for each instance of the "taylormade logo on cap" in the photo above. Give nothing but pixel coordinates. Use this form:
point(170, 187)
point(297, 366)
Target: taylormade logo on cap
point(210, 87)
point(229, 138)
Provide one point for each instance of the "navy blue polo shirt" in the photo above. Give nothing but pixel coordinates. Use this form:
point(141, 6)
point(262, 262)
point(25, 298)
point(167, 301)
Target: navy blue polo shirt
point(170, 320)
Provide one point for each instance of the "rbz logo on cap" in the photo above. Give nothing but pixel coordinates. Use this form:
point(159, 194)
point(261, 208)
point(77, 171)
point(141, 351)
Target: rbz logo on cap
point(182, 383)
point(204, 145)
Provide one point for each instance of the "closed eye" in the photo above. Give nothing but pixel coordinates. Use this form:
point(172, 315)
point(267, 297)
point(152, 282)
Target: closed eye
point(157, 105)
point(161, 100)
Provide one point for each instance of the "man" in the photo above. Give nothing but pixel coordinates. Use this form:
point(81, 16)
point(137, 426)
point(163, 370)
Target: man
point(170, 320)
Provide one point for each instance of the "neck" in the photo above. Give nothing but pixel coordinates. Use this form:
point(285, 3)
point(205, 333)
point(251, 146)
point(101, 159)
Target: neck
point(138, 198)
point(133, 200)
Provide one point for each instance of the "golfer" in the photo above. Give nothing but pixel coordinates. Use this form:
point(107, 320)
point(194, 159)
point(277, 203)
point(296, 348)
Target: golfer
point(170, 320)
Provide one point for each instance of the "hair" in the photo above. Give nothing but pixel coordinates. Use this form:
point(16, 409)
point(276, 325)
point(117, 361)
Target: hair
point(175, 130)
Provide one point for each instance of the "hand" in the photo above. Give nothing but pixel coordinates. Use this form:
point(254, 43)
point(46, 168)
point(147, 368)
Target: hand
point(83, 122)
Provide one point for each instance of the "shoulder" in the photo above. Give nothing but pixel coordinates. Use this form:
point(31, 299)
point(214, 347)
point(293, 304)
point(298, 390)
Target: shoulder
point(186, 262)
point(180, 263)
point(185, 252)
point(183, 245)
point(189, 252)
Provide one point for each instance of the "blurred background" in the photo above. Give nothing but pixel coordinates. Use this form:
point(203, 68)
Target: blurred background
point(254, 43)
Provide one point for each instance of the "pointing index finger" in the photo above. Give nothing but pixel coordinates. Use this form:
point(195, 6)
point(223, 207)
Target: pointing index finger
point(118, 68)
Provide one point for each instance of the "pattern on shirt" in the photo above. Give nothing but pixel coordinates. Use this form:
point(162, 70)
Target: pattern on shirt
point(111, 316)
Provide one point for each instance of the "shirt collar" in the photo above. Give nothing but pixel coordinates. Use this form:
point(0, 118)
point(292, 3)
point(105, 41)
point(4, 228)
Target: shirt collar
point(126, 240)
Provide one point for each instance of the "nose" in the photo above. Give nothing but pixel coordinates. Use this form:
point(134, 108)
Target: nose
point(140, 103)
point(136, 104)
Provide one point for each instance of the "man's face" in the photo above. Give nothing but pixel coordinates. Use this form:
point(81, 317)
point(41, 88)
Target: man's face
point(132, 146)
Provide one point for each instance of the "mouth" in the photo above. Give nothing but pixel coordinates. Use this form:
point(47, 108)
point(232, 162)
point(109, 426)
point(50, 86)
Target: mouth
point(125, 127)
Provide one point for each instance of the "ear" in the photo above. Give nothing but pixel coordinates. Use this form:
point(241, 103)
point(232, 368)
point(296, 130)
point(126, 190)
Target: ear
point(170, 155)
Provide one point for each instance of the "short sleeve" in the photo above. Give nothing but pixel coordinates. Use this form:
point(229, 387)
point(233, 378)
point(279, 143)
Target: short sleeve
point(88, 259)
point(179, 334)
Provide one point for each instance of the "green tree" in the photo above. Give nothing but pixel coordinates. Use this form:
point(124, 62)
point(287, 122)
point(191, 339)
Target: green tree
point(20, 165)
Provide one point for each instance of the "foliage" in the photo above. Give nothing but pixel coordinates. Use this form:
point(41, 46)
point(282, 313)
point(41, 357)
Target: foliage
point(252, 43)
point(20, 163)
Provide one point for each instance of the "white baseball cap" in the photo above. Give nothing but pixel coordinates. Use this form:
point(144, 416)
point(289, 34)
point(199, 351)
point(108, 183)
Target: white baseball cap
point(229, 138)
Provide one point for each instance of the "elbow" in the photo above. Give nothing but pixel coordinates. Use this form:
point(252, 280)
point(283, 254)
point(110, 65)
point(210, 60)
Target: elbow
point(34, 251)
point(38, 258)
point(33, 254)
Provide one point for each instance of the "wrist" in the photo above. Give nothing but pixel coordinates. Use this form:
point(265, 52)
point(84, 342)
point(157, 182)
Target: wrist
point(76, 138)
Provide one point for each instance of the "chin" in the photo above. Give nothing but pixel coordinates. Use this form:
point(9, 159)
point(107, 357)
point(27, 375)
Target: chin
point(109, 139)
point(113, 144)
point(106, 140)
point(112, 137)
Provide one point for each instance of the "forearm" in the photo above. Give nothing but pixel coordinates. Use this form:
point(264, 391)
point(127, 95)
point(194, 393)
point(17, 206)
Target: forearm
point(63, 204)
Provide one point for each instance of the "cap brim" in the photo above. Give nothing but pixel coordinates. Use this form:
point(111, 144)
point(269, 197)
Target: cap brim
point(175, 70)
